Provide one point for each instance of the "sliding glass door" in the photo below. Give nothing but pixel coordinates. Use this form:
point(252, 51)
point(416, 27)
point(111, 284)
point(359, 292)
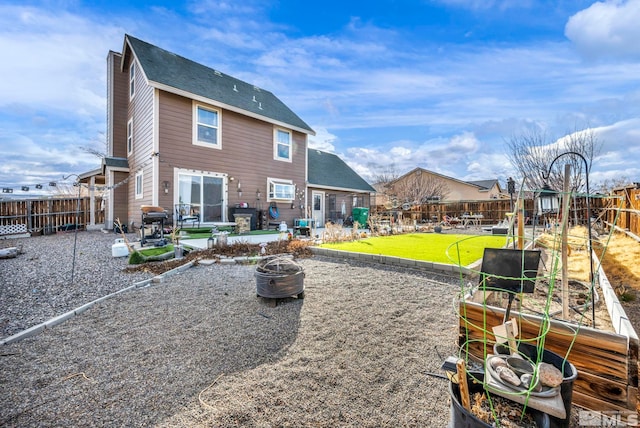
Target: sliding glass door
point(205, 194)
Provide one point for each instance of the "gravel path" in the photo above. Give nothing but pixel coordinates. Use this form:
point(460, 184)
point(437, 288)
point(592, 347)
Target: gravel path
point(201, 350)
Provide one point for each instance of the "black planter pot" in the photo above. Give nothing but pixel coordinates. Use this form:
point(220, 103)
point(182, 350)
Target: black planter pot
point(462, 418)
point(568, 370)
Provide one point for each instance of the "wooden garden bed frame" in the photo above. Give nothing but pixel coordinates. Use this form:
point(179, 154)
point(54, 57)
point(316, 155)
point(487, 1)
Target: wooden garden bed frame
point(607, 362)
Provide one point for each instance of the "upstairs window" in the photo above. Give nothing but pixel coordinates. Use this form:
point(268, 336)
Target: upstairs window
point(130, 136)
point(132, 80)
point(282, 145)
point(206, 126)
point(283, 190)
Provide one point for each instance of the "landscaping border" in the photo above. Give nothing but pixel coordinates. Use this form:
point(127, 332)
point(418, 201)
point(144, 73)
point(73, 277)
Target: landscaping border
point(32, 331)
point(394, 261)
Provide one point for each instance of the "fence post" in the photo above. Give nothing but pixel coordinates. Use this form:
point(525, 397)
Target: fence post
point(29, 219)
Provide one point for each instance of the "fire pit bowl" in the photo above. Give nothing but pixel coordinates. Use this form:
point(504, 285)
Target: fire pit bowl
point(279, 277)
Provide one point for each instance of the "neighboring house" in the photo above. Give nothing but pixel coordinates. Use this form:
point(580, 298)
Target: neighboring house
point(179, 132)
point(335, 189)
point(490, 189)
point(406, 188)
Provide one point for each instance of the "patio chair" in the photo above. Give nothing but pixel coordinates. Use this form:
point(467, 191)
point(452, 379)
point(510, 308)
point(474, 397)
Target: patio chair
point(188, 213)
point(446, 221)
point(273, 215)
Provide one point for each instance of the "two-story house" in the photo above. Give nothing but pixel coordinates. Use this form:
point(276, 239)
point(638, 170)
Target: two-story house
point(179, 132)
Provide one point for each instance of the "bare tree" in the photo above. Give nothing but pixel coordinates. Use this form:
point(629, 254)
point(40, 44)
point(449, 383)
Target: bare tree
point(384, 175)
point(533, 154)
point(606, 187)
point(68, 189)
point(98, 147)
point(418, 187)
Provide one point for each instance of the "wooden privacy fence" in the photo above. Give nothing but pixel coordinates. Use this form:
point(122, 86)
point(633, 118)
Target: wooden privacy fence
point(493, 211)
point(50, 215)
point(626, 207)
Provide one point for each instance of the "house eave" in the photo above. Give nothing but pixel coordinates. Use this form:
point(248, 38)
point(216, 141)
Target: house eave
point(340, 189)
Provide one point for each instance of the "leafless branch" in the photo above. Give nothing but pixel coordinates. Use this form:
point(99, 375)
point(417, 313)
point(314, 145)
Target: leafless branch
point(533, 153)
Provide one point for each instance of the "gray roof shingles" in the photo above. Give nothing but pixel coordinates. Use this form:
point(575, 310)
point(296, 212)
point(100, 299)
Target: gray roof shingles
point(169, 69)
point(327, 169)
point(484, 184)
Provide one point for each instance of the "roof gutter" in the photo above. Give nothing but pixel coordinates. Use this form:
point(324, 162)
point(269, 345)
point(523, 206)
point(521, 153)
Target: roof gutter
point(341, 189)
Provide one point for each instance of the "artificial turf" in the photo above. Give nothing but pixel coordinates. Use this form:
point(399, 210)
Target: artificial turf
point(433, 247)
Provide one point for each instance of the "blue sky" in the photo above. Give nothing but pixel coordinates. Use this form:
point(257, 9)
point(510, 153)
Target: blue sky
point(439, 84)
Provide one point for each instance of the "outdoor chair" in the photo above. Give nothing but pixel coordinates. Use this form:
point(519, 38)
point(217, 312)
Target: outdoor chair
point(187, 213)
point(273, 215)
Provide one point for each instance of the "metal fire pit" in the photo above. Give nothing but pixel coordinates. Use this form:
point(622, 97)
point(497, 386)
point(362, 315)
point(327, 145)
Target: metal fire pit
point(278, 278)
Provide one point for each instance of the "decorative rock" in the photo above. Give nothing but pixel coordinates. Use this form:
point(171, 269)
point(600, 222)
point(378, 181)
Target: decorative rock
point(549, 375)
point(528, 379)
point(508, 376)
point(496, 362)
point(8, 253)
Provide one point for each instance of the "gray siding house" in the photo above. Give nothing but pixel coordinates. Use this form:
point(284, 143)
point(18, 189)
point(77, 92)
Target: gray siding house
point(183, 134)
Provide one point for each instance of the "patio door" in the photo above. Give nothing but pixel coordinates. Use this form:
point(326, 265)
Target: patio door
point(317, 203)
point(205, 193)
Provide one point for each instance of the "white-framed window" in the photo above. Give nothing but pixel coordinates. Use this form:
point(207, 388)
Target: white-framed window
point(206, 126)
point(281, 190)
point(132, 80)
point(139, 185)
point(129, 136)
point(282, 145)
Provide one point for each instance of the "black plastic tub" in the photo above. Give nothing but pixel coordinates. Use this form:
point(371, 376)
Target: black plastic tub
point(568, 370)
point(462, 418)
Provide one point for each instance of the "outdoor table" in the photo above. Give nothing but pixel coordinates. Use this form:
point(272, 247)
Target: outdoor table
point(472, 219)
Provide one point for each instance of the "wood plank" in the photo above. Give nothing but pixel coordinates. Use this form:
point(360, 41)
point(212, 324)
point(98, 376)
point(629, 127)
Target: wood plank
point(479, 316)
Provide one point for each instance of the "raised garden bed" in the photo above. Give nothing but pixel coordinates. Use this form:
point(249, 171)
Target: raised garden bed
point(606, 357)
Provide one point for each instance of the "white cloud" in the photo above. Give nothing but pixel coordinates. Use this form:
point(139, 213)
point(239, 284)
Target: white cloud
point(607, 29)
point(323, 140)
point(54, 60)
point(488, 166)
point(400, 153)
point(485, 4)
point(466, 142)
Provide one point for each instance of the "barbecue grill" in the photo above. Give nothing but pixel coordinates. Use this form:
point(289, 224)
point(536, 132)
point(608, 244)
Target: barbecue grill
point(153, 225)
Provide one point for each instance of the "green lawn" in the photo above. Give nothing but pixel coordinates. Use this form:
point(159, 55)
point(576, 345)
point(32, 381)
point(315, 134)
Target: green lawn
point(433, 247)
point(196, 233)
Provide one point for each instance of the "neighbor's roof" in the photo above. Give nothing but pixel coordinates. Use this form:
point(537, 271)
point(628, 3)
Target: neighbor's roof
point(173, 73)
point(328, 170)
point(485, 184)
point(482, 185)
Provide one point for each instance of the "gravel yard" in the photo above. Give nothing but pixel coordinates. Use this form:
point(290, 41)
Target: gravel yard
point(199, 349)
